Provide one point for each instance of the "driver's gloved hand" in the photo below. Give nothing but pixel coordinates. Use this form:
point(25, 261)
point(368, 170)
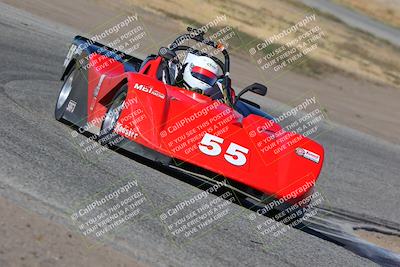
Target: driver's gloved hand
point(214, 92)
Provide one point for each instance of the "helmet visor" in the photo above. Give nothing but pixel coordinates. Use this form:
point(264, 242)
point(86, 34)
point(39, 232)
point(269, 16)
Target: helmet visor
point(204, 75)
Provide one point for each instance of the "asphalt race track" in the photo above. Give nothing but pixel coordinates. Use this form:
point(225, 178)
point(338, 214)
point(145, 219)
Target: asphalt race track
point(43, 170)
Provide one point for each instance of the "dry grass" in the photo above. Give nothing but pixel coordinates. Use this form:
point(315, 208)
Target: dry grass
point(387, 11)
point(343, 48)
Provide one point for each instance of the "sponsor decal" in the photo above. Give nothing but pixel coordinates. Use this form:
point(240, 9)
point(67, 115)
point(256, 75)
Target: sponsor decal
point(300, 151)
point(149, 90)
point(307, 154)
point(125, 131)
point(71, 106)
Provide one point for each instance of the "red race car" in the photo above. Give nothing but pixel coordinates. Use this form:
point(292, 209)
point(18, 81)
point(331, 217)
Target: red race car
point(140, 106)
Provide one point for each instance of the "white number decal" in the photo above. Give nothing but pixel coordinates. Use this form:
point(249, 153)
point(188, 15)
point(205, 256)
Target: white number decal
point(235, 154)
point(212, 141)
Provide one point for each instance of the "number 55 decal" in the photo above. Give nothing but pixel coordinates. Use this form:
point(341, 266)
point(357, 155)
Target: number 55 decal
point(235, 154)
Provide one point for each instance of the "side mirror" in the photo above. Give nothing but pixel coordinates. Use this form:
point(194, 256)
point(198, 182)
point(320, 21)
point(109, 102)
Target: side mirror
point(256, 88)
point(166, 53)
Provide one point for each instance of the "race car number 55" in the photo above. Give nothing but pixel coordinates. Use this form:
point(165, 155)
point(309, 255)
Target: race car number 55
point(235, 154)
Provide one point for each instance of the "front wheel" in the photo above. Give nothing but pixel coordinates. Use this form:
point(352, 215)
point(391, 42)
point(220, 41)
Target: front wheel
point(107, 134)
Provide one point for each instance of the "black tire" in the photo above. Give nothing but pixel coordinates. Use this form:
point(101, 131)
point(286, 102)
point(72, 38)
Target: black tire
point(107, 134)
point(63, 95)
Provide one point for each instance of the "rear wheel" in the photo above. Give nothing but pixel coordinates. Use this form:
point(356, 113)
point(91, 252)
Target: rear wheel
point(107, 134)
point(64, 94)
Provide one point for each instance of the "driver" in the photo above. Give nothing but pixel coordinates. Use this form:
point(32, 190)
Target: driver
point(200, 74)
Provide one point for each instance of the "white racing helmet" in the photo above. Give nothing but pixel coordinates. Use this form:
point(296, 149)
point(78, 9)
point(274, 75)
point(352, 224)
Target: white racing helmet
point(201, 72)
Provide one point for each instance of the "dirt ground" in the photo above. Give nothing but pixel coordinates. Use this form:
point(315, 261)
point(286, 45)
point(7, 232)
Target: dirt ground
point(391, 242)
point(387, 11)
point(29, 240)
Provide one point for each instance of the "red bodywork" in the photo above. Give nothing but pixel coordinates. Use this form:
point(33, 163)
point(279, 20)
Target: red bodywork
point(173, 121)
